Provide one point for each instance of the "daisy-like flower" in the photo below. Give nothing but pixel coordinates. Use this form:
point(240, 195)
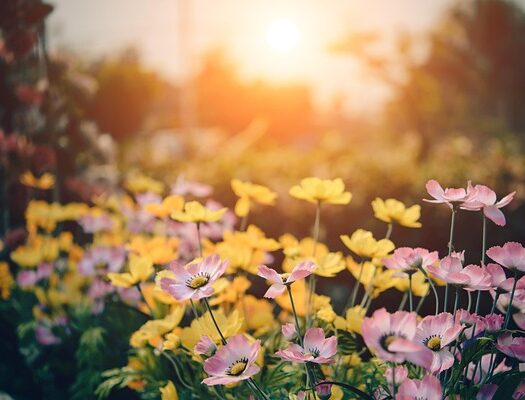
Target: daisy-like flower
point(428, 388)
point(499, 280)
point(317, 191)
point(196, 212)
point(392, 337)
point(512, 346)
point(280, 281)
point(205, 346)
point(140, 269)
point(511, 255)
point(316, 348)
point(485, 199)
point(233, 362)
point(195, 280)
point(101, 259)
point(406, 260)
point(472, 277)
point(364, 244)
point(393, 375)
point(249, 192)
point(392, 210)
point(450, 196)
point(468, 321)
point(437, 332)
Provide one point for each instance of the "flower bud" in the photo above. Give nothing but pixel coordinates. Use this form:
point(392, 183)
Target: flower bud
point(205, 346)
point(289, 331)
point(324, 390)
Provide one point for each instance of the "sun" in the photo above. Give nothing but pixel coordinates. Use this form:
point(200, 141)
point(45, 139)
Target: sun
point(282, 35)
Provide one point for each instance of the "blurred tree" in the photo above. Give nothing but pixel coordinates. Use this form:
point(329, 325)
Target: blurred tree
point(125, 96)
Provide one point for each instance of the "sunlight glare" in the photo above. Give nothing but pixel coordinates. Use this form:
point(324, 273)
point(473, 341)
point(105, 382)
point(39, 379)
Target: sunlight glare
point(282, 35)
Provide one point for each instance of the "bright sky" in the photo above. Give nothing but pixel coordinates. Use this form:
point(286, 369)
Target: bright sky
point(242, 28)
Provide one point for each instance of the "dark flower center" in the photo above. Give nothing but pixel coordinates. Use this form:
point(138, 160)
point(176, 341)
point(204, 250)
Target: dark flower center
point(237, 367)
point(198, 280)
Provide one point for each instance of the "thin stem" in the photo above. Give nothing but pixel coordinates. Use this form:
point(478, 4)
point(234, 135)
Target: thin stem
point(244, 223)
point(469, 300)
point(456, 298)
point(355, 289)
point(297, 327)
point(317, 223)
point(496, 297)
point(410, 300)
point(177, 371)
point(198, 224)
point(509, 308)
point(484, 240)
point(403, 301)
point(394, 379)
point(223, 339)
point(433, 287)
point(420, 304)
point(389, 231)
point(312, 279)
point(263, 394)
point(451, 238)
point(478, 297)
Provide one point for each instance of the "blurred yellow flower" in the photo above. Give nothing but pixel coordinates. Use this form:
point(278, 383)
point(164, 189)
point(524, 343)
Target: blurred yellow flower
point(354, 319)
point(27, 256)
point(46, 181)
point(160, 249)
point(420, 285)
point(168, 206)
point(140, 269)
point(153, 330)
point(229, 325)
point(392, 210)
point(258, 314)
point(230, 292)
point(248, 192)
point(172, 341)
point(140, 184)
point(169, 392)
point(196, 212)
point(6, 281)
point(315, 190)
point(362, 243)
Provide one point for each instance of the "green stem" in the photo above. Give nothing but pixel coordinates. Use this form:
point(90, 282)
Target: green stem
point(456, 298)
point(469, 300)
point(312, 279)
point(199, 237)
point(389, 231)
point(433, 287)
point(451, 238)
point(297, 327)
point(410, 299)
point(403, 301)
point(177, 371)
point(496, 297)
point(244, 223)
point(509, 308)
point(394, 380)
point(355, 289)
point(223, 339)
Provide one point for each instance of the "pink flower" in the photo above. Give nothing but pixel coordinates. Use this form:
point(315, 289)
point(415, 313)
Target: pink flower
point(205, 346)
point(493, 322)
point(324, 390)
point(406, 260)
point(428, 388)
point(316, 348)
point(436, 333)
point(511, 256)
point(475, 372)
point(194, 281)
point(472, 277)
point(485, 199)
point(280, 281)
point(392, 337)
point(499, 280)
point(468, 321)
point(233, 362)
point(401, 373)
point(511, 346)
point(101, 260)
point(448, 196)
point(288, 331)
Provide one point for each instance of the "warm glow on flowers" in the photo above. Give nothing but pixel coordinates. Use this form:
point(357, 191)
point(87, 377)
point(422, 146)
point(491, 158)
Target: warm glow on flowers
point(140, 269)
point(168, 206)
point(280, 281)
point(315, 190)
point(195, 212)
point(363, 244)
point(44, 182)
point(248, 193)
point(160, 249)
point(392, 210)
point(139, 183)
point(485, 200)
point(230, 325)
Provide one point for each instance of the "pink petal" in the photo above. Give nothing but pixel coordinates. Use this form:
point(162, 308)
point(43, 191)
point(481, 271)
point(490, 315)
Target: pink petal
point(506, 200)
point(301, 271)
point(270, 274)
point(434, 189)
point(275, 290)
point(495, 215)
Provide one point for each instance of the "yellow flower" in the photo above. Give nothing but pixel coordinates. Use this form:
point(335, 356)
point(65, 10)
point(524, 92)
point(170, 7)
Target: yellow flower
point(229, 292)
point(153, 330)
point(196, 212)
point(46, 181)
point(160, 249)
point(169, 392)
point(141, 183)
point(420, 285)
point(172, 341)
point(258, 314)
point(354, 319)
point(140, 269)
point(248, 192)
point(6, 281)
point(204, 325)
point(169, 205)
point(315, 190)
point(363, 244)
point(392, 210)
point(27, 256)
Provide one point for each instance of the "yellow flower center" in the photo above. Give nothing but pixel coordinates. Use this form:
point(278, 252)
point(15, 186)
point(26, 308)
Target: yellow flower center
point(197, 281)
point(237, 367)
point(389, 340)
point(434, 343)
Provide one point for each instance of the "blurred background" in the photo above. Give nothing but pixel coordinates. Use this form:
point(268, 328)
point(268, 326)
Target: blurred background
point(385, 95)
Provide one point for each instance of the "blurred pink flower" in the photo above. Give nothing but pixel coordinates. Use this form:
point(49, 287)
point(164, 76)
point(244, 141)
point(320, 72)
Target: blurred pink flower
point(428, 388)
point(472, 277)
point(280, 281)
point(392, 337)
point(316, 348)
point(475, 371)
point(205, 346)
point(288, 331)
point(184, 188)
point(485, 199)
point(102, 259)
point(512, 346)
point(511, 255)
point(195, 280)
point(233, 362)
point(468, 321)
point(450, 196)
point(406, 260)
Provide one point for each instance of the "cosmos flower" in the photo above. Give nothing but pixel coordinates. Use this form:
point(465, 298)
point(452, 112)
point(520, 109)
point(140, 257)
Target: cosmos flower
point(428, 388)
point(472, 277)
point(316, 348)
point(407, 260)
point(280, 281)
point(392, 337)
point(205, 346)
point(194, 281)
point(363, 244)
point(233, 362)
point(512, 346)
point(392, 210)
point(485, 199)
point(249, 192)
point(317, 191)
point(436, 333)
point(511, 255)
point(450, 196)
point(196, 212)
point(102, 259)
